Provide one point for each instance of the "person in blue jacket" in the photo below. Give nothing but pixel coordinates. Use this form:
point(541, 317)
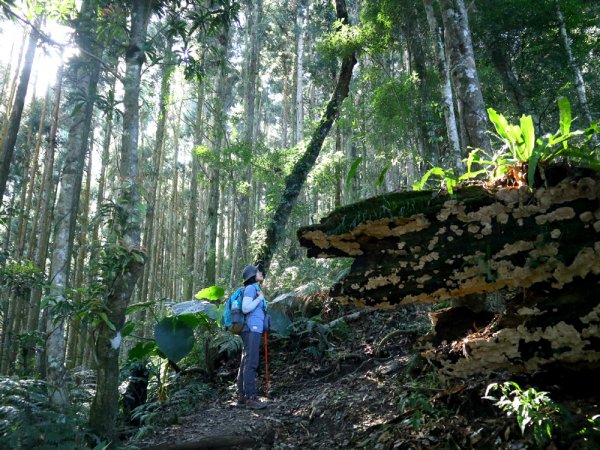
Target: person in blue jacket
point(254, 306)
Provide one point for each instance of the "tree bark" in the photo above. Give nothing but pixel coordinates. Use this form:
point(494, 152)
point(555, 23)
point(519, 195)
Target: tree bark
point(579, 83)
point(190, 252)
point(241, 256)
point(218, 135)
point(299, 128)
point(461, 59)
point(104, 407)
point(46, 203)
point(446, 85)
point(296, 179)
point(83, 76)
point(14, 123)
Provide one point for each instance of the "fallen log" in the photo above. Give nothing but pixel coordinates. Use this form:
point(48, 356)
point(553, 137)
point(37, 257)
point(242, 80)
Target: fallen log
point(540, 250)
point(424, 247)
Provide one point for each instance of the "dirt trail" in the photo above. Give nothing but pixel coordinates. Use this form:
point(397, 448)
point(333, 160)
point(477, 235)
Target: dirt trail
point(320, 403)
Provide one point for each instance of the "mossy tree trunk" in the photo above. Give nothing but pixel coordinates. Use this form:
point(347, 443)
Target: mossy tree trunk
point(296, 179)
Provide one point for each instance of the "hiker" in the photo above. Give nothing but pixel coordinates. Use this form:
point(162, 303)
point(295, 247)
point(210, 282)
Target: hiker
point(254, 307)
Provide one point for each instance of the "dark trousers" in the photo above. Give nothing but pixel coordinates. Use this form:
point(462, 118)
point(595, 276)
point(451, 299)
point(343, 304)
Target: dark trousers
point(246, 380)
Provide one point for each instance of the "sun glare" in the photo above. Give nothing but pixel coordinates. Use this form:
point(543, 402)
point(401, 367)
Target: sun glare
point(48, 57)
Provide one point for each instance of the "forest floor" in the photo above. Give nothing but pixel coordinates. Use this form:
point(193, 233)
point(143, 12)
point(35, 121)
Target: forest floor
point(358, 394)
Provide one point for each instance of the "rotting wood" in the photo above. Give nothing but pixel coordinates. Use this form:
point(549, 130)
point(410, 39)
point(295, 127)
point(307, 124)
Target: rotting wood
point(540, 250)
point(425, 248)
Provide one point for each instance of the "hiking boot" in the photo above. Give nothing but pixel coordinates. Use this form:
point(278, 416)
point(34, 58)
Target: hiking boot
point(255, 403)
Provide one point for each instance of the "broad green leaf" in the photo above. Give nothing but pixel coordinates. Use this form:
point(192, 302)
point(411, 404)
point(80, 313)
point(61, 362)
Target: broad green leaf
point(381, 178)
point(127, 328)
point(174, 337)
point(352, 171)
point(528, 133)
point(564, 109)
point(211, 293)
point(108, 323)
point(141, 350)
point(139, 306)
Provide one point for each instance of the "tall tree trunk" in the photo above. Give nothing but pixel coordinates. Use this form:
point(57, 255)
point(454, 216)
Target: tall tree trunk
point(461, 59)
point(156, 164)
point(446, 85)
point(299, 128)
point(82, 82)
point(33, 169)
point(579, 83)
point(295, 180)
point(45, 204)
point(192, 218)
point(14, 123)
point(218, 135)
point(104, 407)
point(285, 120)
point(82, 246)
point(253, 51)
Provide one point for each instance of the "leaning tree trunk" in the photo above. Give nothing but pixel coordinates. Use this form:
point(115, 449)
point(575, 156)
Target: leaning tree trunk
point(14, 123)
point(296, 179)
point(104, 407)
point(461, 59)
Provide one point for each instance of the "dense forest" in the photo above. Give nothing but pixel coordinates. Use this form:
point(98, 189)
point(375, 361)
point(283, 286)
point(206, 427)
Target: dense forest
point(151, 149)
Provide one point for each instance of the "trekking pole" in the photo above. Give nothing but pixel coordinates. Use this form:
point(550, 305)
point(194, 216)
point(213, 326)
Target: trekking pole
point(266, 341)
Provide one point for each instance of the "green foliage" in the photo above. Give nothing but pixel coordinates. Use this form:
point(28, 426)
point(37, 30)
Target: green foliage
point(518, 140)
point(352, 171)
point(416, 402)
point(29, 421)
point(521, 150)
point(20, 275)
point(344, 41)
point(533, 409)
point(211, 293)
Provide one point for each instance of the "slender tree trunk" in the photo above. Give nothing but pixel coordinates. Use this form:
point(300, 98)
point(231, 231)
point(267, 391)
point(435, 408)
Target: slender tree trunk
point(45, 204)
point(299, 136)
point(218, 130)
point(12, 91)
point(446, 85)
point(190, 251)
point(82, 246)
point(253, 51)
point(579, 83)
point(461, 59)
point(157, 165)
point(14, 123)
point(295, 180)
point(33, 169)
point(285, 120)
point(105, 404)
point(83, 79)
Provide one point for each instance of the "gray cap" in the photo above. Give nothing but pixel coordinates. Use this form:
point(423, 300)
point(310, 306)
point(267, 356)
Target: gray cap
point(249, 272)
